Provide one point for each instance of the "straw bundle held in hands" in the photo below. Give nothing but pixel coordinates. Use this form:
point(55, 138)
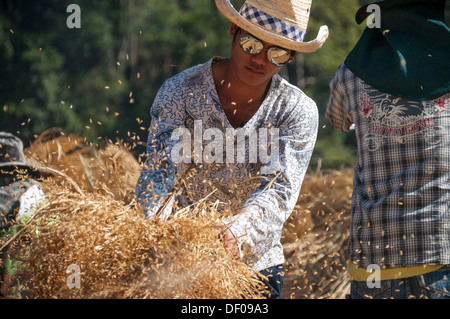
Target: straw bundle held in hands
point(122, 255)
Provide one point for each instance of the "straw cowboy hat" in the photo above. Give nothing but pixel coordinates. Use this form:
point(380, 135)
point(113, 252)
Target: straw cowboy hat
point(282, 22)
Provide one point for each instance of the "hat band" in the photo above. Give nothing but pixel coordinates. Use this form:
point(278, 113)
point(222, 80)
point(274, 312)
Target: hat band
point(265, 20)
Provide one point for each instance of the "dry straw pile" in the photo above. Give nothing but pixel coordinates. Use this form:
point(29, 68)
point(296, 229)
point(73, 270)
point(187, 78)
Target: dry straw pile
point(121, 255)
point(316, 238)
point(91, 221)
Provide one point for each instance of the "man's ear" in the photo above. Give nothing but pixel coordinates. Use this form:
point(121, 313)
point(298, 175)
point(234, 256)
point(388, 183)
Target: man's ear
point(233, 29)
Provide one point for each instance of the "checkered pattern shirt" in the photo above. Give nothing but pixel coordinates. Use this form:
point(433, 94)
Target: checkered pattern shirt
point(401, 192)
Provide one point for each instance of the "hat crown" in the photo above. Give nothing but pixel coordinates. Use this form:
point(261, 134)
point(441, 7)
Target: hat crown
point(282, 22)
point(11, 150)
point(293, 12)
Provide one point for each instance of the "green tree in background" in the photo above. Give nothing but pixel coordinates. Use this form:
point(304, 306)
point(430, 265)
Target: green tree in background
point(100, 80)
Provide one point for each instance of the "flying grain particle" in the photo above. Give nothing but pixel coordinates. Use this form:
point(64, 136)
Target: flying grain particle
point(11, 30)
point(138, 75)
point(5, 108)
point(120, 82)
point(118, 63)
point(386, 31)
point(107, 87)
point(63, 102)
point(234, 112)
point(233, 103)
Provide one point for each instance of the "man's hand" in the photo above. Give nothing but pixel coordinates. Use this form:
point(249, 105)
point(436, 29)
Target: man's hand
point(227, 237)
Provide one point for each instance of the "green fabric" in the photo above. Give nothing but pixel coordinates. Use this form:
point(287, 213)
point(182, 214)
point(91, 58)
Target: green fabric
point(409, 56)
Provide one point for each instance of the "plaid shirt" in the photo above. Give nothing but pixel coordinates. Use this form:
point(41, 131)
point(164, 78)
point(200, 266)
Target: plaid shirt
point(401, 192)
point(262, 203)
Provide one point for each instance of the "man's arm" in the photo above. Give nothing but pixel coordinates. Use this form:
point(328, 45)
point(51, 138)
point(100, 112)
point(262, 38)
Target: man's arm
point(259, 225)
point(338, 111)
point(159, 171)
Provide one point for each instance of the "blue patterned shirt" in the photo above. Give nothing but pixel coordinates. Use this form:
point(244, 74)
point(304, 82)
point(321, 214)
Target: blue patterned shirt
point(258, 178)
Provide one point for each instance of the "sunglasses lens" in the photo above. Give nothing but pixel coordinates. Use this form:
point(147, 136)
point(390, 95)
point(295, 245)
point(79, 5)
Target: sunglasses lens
point(278, 56)
point(251, 45)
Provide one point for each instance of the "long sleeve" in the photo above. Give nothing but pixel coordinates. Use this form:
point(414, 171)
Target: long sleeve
point(338, 111)
point(258, 226)
point(159, 171)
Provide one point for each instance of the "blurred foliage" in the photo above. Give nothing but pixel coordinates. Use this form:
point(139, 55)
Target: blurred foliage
point(99, 81)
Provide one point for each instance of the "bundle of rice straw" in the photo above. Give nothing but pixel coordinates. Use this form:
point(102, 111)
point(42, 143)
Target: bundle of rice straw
point(111, 168)
point(119, 254)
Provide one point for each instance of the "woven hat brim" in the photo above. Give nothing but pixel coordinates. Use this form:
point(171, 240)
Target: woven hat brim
point(227, 9)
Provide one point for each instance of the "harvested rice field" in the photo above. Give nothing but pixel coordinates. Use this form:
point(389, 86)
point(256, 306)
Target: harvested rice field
point(89, 240)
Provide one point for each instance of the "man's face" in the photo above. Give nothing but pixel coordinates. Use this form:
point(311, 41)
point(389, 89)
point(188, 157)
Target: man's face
point(251, 70)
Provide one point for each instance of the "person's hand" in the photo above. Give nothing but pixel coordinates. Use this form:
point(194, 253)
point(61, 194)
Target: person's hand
point(228, 239)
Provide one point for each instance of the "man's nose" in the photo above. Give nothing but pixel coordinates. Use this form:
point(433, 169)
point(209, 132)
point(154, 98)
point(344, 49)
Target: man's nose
point(260, 58)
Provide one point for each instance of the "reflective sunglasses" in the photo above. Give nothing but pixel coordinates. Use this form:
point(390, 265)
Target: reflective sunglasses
point(251, 45)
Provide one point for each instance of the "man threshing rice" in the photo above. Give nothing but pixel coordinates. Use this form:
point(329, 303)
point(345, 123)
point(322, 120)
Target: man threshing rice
point(199, 114)
point(20, 195)
point(395, 88)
